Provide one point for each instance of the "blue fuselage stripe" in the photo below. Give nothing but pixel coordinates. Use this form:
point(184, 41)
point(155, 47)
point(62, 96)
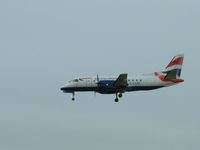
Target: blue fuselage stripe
point(109, 90)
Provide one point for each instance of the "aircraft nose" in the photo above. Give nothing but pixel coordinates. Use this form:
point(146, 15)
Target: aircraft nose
point(66, 89)
point(62, 88)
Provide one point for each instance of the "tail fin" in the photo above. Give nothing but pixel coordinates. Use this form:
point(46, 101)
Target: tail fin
point(176, 65)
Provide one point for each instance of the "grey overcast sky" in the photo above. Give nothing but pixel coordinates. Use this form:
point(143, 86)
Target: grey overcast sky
point(45, 43)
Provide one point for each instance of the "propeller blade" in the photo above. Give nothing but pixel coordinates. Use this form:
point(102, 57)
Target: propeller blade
point(95, 93)
point(97, 78)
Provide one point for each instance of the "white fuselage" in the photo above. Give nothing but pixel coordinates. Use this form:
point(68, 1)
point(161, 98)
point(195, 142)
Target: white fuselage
point(144, 82)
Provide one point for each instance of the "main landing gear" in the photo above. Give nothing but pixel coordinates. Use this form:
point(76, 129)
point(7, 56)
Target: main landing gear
point(118, 96)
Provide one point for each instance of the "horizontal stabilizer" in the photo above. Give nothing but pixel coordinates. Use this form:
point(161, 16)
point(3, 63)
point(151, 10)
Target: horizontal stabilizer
point(171, 75)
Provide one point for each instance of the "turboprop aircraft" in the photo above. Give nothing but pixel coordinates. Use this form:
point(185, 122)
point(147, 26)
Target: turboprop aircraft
point(168, 77)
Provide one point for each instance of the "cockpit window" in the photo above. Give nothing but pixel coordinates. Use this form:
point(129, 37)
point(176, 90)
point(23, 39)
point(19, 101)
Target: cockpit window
point(75, 80)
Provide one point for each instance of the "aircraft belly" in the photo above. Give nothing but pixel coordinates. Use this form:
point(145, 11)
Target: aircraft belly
point(78, 89)
point(142, 88)
point(111, 90)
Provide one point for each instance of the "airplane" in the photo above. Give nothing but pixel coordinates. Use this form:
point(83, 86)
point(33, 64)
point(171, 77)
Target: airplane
point(168, 77)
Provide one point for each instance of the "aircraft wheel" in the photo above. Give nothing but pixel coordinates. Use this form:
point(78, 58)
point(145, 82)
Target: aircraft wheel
point(116, 100)
point(73, 99)
point(120, 95)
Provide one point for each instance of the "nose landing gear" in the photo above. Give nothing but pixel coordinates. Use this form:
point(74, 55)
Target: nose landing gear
point(73, 98)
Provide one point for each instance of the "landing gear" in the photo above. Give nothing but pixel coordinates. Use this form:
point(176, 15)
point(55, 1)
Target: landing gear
point(73, 99)
point(116, 100)
point(120, 95)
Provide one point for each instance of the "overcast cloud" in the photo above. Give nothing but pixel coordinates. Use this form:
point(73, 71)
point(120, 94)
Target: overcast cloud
point(44, 44)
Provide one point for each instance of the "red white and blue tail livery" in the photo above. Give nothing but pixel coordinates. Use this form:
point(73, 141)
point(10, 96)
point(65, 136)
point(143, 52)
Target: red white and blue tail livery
point(168, 77)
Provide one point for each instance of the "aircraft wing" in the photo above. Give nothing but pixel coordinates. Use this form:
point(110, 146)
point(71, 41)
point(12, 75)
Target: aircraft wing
point(121, 81)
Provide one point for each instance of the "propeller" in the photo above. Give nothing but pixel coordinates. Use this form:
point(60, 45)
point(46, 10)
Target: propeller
point(97, 84)
point(97, 78)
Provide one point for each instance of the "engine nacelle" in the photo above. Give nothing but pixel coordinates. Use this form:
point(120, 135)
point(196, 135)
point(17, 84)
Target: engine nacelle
point(106, 84)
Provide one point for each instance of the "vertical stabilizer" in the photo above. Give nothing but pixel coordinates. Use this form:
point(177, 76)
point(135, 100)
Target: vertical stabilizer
point(176, 64)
